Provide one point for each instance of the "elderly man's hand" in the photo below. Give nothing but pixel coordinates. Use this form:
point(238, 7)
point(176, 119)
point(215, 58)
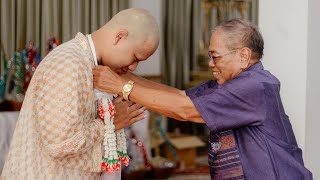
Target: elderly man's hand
point(106, 80)
point(127, 113)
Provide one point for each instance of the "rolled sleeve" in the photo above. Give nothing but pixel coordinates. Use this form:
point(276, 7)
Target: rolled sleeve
point(238, 103)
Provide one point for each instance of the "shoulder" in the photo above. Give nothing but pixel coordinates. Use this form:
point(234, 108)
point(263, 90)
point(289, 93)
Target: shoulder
point(246, 84)
point(253, 79)
point(245, 80)
point(70, 50)
point(61, 66)
point(67, 57)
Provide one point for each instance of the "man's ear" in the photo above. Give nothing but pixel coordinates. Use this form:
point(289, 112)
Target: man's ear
point(245, 56)
point(120, 35)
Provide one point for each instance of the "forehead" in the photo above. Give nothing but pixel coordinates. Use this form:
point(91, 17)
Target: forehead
point(145, 49)
point(217, 43)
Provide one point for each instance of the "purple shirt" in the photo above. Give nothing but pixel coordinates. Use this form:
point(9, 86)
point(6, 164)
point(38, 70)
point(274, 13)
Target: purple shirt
point(250, 106)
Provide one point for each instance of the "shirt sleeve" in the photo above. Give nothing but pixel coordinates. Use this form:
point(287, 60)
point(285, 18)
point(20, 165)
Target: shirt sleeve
point(238, 103)
point(194, 91)
point(66, 128)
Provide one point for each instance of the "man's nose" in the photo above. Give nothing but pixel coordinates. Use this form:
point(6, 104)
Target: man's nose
point(211, 63)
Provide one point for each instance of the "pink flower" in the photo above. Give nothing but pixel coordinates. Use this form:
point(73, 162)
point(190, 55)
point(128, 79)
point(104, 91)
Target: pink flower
point(117, 166)
point(103, 165)
point(111, 109)
point(109, 169)
point(125, 161)
point(101, 111)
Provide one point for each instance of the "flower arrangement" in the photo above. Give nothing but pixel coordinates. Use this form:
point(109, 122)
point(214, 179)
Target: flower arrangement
point(114, 142)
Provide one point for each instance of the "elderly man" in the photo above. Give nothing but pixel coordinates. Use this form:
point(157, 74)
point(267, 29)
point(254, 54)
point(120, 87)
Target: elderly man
point(58, 134)
point(251, 136)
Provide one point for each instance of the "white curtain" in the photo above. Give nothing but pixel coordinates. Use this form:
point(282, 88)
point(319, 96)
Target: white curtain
point(23, 21)
point(181, 28)
point(180, 31)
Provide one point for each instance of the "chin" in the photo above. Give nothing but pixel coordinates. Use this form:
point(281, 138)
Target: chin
point(220, 82)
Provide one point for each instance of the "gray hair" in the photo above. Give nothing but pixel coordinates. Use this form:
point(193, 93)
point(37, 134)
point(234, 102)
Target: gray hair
point(239, 33)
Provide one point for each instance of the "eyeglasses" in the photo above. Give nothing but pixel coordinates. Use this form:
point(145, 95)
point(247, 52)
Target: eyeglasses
point(215, 58)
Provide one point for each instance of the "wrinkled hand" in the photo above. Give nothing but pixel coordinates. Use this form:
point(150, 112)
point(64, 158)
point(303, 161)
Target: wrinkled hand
point(127, 113)
point(106, 80)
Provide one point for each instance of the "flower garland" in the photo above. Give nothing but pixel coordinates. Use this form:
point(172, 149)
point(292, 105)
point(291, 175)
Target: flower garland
point(114, 142)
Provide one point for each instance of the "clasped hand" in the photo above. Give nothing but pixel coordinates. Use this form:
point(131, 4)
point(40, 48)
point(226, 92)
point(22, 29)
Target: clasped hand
point(127, 112)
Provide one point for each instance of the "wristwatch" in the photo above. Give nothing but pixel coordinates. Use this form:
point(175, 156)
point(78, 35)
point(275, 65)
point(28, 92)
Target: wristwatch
point(126, 90)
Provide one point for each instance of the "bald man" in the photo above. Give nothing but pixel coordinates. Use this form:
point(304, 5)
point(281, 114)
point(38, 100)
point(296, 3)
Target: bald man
point(58, 134)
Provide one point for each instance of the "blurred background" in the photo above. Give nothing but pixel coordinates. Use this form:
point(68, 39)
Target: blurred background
point(30, 29)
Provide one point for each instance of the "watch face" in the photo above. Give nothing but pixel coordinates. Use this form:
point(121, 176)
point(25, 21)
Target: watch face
point(127, 87)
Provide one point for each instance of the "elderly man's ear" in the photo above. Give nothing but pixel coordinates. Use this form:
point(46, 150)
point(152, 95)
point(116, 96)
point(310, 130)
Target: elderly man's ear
point(120, 35)
point(245, 57)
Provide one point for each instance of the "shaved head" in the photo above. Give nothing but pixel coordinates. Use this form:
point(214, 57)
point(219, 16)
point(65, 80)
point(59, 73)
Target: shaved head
point(140, 24)
point(131, 36)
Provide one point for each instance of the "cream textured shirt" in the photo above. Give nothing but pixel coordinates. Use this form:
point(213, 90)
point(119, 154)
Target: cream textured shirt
point(58, 134)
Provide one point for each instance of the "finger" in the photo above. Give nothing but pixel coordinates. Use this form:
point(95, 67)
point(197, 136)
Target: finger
point(95, 80)
point(136, 113)
point(138, 118)
point(96, 76)
point(95, 83)
point(96, 71)
point(134, 107)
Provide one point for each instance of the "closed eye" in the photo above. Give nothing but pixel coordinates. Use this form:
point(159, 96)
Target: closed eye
point(212, 57)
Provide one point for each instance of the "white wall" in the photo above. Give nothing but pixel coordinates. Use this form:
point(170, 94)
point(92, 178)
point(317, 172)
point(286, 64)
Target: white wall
point(152, 65)
point(285, 35)
point(312, 156)
point(291, 33)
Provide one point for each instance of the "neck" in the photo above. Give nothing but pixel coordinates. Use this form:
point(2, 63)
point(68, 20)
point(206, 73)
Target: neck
point(96, 42)
point(253, 62)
